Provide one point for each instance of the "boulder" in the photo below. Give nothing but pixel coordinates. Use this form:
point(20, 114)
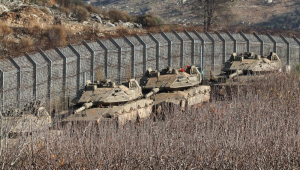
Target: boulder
point(3, 8)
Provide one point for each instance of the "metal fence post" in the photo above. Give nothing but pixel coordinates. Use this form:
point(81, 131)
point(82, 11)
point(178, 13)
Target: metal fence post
point(274, 42)
point(18, 80)
point(2, 90)
point(246, 39)
point(105, 57)
point(234, 41)
point(213, 49)
point(49, 74)
point(144, 52)
point(288, 49)
point(119, 59)
point(157, 50)
point(298, 42)
point(78, 66)
point(201, 48)
point(34, 75)
point(193, 46)
point(181, 48)
point(132, 56)
point(92, 72)
point(224, 46)
point(64, 70)
point(169, 48)
point(261, 43)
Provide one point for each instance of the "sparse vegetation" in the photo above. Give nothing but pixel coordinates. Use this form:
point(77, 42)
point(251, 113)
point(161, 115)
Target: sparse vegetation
point(150, 20)
point(57, 34)
point(116, 15)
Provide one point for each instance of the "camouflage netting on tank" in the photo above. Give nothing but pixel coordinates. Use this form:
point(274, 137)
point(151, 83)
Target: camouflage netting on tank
point(213, 58)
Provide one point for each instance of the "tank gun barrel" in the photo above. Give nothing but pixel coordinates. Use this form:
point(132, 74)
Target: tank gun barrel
point(153, 91)
point(82, 108)
point(236, 73)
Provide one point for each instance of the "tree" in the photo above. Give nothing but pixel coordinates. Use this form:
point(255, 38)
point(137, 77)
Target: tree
point(212, 11)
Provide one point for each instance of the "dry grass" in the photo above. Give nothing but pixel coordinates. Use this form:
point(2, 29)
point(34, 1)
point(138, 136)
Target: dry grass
point(256, 130)
point(57, 34)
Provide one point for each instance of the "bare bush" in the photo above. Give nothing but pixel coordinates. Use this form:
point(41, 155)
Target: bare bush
point(81, 13)
point(116, 15)
point(57, 34)
point(4, 29)
point(92, 9)
point(257, 129)
point(25, 43)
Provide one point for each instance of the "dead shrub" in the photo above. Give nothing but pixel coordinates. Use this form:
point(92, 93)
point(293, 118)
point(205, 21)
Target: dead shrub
point(92, 9)
point(45, 10)
point(26, 43)
point(150, 20)
point(57, 34)
point(4, 29)
point(81, 13)
point(116, 15)
point(34, 28)
point(65, 10)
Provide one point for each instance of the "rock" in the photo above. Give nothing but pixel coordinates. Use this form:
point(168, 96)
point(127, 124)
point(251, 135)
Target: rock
point(3, 9)
point(136, 25)
point(96, 17)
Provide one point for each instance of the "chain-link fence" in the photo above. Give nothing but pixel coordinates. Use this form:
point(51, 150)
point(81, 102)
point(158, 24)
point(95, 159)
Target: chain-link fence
point(55, 76)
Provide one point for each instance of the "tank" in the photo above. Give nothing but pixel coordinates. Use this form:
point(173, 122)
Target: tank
point(175, 86)
point(32, 118)
point(242, 69)
point(106, 100)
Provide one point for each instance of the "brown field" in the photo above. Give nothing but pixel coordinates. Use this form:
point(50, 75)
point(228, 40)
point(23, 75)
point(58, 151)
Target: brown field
point(257, 129)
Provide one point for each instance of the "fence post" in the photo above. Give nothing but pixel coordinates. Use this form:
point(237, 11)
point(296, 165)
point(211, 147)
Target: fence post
point(119, 59)
point(2, 90)
point(246, 39)
point(157, 50)
point(144, 52)
point(49, 75)
point(181, 48)
point(34, 75)
point(64, 70)
point(132, 56)
point(169, 48)
point(288, 48)
point(261, 43)
point(193, 46)
point(298, 42)
point(92, 72)
point(201, 49)
point(78, 67)
point(274, 42)
point(224, 46)
point(213, 49)
point(18, 80)
point(105, 57)
point(234, 41)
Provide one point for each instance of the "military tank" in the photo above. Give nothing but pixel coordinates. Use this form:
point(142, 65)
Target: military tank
point(175, 86)
point(106, 100)
point(243, 69)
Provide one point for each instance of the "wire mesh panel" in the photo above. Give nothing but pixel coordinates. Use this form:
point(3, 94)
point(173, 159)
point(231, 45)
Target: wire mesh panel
point(198, 45)
point(57, 74)
point(207, 57)
point(151, 52)
point(99, 64)
point(85, 63)
point(163, 48)
point(42, 76)
point(254, 43)
point(112, 60)
point(10, 90)
point(138, 50)
point(219, 53)
point(126, 59)
point(175, 49)
point(281, 49)
point(268, 44)
point(241, 43)
point(71, 85)
point(27, 79)
point(187, 49)
point(294, 51)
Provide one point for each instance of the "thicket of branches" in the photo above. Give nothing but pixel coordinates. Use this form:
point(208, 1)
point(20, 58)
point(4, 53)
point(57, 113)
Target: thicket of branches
point(257, 129)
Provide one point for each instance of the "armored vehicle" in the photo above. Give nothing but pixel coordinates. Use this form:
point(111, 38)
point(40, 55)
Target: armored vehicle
point(175, 86)
point(106, 100)
point(31, 118)
point(242, 69)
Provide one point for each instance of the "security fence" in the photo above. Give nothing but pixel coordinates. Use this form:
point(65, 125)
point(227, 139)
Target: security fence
point(56, 75)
